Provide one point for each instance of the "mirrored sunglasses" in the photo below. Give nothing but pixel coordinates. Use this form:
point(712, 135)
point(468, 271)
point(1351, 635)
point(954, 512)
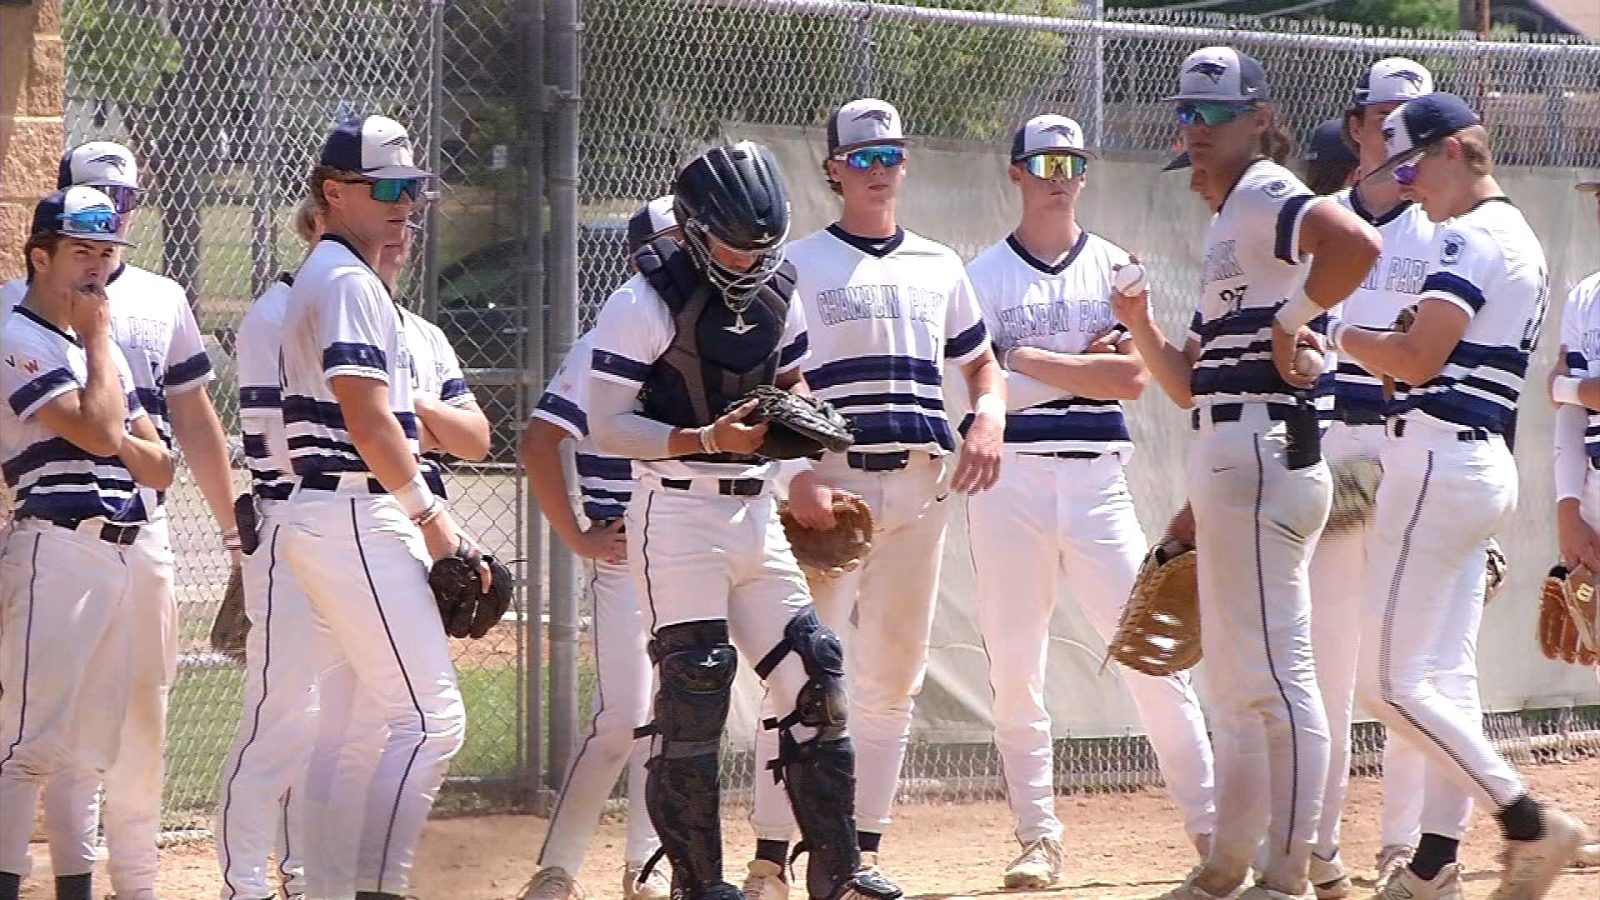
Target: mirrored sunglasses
point(125, 199)
point(90, 221)
point(390, 190)
point(1405, 174)
point(862, 158)
point(1210, 114)
point(1056, 165)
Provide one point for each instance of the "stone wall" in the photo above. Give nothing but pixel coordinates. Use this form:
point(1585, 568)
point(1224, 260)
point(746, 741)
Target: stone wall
point(32, 81)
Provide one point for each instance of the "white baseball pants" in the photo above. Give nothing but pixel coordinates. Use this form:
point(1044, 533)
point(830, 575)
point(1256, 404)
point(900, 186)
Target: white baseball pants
point(1046, 520)
point(363, 564)
point(1441, 499)
point(66, 634)
point(1257, 522)
point(351, 732)
point(622, 699)
point(883, 614)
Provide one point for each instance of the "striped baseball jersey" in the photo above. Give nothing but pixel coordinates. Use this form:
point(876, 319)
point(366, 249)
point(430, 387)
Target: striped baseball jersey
point(885, 317)
point(1489, 263)
point(635, 329)
point(436, 374)
point(605, 482)
point(339, 321)
point(1394, 283)
point(49, 476)
point(1251, 264)
point(1580, 336)
point(1027, 302)
point(259, 353)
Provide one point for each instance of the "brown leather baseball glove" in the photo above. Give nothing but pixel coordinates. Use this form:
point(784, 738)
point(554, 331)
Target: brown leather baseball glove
point(1355, 491)
point(231, 628)
point(834, 551)
point(1496, 569)
point(1402, 323)
point(1159, 633)
point(1569, 616)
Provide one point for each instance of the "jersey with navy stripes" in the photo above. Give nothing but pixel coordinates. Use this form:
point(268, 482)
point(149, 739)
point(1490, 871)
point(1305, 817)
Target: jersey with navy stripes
point(1061, 307)
point(339, 321)
point(435, 374)
point(605, 482)
point(49, 476)
point(258, 350)
point(1251, 265)
point(885, 316)
point(1394, 283)
point(1580, 337)
point(635, 329)
point(1489, 263)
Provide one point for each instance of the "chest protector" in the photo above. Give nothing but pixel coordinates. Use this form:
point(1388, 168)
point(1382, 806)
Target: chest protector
point(717, 356)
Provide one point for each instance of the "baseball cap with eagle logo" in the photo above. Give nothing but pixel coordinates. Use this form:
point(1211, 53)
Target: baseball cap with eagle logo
point(1221, 75)
point(1421, 122)
point(1048, 133)
point(1392, 80)
point(98, 164)
point(375, 146)
point(863, 122)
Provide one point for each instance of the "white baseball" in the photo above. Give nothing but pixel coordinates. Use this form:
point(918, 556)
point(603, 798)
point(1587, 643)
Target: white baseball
point(1308, 361)
point(1129, 280)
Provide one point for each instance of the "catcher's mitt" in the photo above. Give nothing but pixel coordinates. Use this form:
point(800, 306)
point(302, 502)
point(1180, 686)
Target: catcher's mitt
point(835, 550)
point(1495, 570)
point(1569, 616)
point(1402, 324)
point(463, 606)
point(1355, 490)
point(1159, 633)
point(798, 425)
point(231, 627)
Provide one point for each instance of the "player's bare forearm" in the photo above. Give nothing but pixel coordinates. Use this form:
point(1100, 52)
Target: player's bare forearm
point(792, 381)
point(198, 431)
point(1170, 366)
point(1102, 376)
point(146, 456)
point(364, 404)
point(461, 431)
point(539, 451)
point(984, 376)
point(92, 418)
point(1414, 356)
point(1343, 249)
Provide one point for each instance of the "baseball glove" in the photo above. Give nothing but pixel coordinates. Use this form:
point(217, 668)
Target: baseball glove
point(798, 425)
point(1569, 616)
point(231, 626)
point(1402, 324)
point(836, 550)
point(1496, 568)
point(1160, 629)
point(463, 606)
point(1355, 490)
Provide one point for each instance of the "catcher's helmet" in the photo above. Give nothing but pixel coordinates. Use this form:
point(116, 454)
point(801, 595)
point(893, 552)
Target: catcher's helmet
point(735, 194)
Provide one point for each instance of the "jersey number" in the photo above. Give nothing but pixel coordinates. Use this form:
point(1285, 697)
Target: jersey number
point(1233, 298)
point(1530, 331)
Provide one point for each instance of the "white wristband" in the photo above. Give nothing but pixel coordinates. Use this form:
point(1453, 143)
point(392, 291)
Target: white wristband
point(990, 405)
point(1297, 311)
point(415, 497)
point(1564, 389)
point(1337, 329)
point(708, 439)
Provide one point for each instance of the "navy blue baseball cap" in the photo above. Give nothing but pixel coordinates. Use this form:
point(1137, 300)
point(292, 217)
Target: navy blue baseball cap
point(81, 213)
point(1418, 123)
point(1326, 145)
point(374, 146)
point(1221, 75)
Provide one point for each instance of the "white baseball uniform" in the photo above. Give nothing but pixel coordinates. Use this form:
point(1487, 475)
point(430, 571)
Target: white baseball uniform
point(1449, 484)
point(66, 583)
point(1577, 444)
point(153, 325)
point(622, 693)
point(1340, 559)
point(884, 317)
point(356, 552)
point(1062, 509)
point(1257, 520)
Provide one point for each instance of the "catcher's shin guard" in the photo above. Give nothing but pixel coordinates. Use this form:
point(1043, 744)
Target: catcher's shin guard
point(696, 667)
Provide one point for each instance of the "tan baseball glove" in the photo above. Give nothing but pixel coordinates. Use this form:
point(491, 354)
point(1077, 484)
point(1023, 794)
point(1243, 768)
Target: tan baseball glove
point(1569, 616)
point(1402, 323)
point(1159, 633)
point(831, 552)
point(1355, 491)
point(1496, 568)
point(231, 627)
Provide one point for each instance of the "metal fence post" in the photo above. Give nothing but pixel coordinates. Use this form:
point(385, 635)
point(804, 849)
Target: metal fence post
point(862, 32)
point(531, 274)
point(430, 248)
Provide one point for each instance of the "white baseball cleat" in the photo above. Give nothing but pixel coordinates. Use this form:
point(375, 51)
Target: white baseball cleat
point(1262, 892)
point(1587, 855)
point(1191, 890)
point(552, 883)
point(1328, 877)
point(654, 886)
point(1391, 860)
point(1532, 866)
point(1408, 885)
point(1040, 865)
point(765, 881)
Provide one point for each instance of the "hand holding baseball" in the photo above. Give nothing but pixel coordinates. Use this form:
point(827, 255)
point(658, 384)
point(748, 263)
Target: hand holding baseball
point(1130, 280)
point(1308, 361)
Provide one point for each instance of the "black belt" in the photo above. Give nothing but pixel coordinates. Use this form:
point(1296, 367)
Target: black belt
point(1594, 462)
point(110, 532)
point(1358, 416)
point(1065, 454)
point(879, 462)
point(1233, 412)
point(731, 487)
point(1471, 434)
point(322, 481)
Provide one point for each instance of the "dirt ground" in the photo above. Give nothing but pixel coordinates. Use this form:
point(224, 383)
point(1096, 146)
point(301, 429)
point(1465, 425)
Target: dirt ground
point(1119, 846)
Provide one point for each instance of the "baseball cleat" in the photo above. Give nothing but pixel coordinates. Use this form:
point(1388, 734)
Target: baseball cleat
point(1532, 866)
point(1587, 855)
point(765, 881)
point(653, 886)
point(1262, 892)
point(1408, 885)
point(1391, 860)
point(1328, 877)
point(868, 884)
point(1040, 865)
point(552, 883)
point(1191, 890)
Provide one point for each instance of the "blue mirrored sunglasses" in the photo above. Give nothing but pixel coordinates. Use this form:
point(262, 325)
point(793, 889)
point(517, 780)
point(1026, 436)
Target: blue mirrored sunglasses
point(390, 190)
point(862, 158)
point(1056, 165)
point(97, 220)
point(1210, 114)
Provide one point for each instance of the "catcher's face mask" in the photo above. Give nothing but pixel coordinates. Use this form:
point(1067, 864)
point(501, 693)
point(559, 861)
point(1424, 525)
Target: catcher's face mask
point(737, 273)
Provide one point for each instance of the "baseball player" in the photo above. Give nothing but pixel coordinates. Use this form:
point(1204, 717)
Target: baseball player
point(697, 329)
point(363, 523)
point(887, 308)
point(1330, 164)
point(79, 451)
point(1061, 507)
point(1449, 483)
point(1259, 489)
point(622, 689)
point(152, 323)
